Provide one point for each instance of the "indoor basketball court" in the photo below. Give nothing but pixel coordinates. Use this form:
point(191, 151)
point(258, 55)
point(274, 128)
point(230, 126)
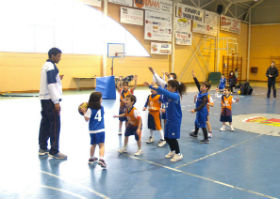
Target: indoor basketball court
point(107, 45)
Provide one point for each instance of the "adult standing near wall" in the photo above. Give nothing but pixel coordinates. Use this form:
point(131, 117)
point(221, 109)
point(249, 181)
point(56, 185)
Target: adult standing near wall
point(271, 74)
point(232, 80)
point(50, 96)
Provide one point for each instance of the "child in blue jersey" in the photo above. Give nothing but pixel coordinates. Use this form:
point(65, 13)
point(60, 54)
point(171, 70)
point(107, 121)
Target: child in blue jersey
point(222, 83)
point(162, 83)
point(173, 95)
point(95, 115)
point(201, 110)
point(210, 103)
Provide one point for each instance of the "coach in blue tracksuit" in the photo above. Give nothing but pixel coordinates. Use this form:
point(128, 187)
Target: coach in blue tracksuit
point(50, 96)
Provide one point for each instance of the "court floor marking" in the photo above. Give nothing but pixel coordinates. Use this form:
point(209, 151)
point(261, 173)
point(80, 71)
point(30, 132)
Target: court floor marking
point(203, 178)
point(76, 184)
point(63, 191)
point(215, 153)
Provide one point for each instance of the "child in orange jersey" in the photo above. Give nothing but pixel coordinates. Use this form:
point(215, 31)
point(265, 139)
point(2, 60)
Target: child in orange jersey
point(124, 90)
point(134, 124)
point(226, 105)
point(154, 104)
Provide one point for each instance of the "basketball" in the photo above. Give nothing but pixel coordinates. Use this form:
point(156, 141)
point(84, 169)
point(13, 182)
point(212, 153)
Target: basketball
point(238, 92)
point(83, 105)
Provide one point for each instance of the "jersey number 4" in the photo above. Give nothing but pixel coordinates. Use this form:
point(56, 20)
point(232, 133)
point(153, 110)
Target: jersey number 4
point(98, 116)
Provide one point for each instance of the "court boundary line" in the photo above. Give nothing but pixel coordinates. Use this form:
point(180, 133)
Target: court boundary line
point(218, 152)
point(63, 191)
point(203, 178)
point(78, 185)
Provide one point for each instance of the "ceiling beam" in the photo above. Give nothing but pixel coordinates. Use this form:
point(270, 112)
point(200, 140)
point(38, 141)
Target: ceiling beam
point(240, 1)
point(208, 3)
point(194, 3)
point(227, 7)
point(254, 5)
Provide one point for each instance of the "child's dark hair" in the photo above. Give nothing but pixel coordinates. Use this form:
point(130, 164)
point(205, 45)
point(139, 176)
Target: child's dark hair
point(180, 87)
point(94, 100)
point(207, 84)
point(132, 98)
point(227, 88)
point(174, 75)
point(125, 83)
point(54, 51)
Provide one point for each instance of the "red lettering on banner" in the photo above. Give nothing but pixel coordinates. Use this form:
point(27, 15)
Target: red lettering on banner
point(151, 3)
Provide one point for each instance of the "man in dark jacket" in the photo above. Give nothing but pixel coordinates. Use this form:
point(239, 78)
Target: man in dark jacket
point(271, 73)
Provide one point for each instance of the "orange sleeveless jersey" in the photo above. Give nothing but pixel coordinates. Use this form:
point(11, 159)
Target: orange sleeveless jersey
point(154, 103)
point(209, 101)
point(226, 102)
point(133, 117)
point(124, 94)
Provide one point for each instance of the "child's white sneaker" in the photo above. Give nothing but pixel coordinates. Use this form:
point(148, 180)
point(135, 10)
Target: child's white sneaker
point(176, 157)
point(123, 150)
point(161, 143)
point(150, 140)
point(139, 152)
point(223, 128)
point(231, 128)
point(170, 154)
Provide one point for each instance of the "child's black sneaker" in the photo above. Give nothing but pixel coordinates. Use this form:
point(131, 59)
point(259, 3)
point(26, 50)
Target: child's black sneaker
point(102, 163)
point(92, 160)
point(193, 135)
point(204, 141)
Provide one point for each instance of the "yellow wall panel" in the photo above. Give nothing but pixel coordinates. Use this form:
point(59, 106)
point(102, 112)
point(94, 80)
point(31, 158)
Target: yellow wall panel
point(265, 47)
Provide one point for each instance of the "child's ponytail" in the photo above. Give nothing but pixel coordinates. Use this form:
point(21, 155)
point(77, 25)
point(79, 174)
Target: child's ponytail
point(180, 87)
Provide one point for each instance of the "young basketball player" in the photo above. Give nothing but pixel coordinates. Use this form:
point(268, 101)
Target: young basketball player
point(226, 109)
point(95, 115)
point(210, 103)
point(153, 103)
point(124, 90)
point(134, 124)
point(201, 109)
point(173, 95)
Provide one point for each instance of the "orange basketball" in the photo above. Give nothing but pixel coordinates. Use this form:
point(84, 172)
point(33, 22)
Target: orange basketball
point(83, 105)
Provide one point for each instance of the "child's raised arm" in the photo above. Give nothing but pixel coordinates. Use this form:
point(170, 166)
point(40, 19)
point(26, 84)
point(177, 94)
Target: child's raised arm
point(157, 79)
point(135, 77)
point(119, 85)
point(196, 81)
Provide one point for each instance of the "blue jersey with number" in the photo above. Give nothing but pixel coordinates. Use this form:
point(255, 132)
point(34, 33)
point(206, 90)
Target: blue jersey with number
point(96, 121)
point(173, 113)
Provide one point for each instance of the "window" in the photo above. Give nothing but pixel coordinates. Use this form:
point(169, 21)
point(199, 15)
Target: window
point(38, 25)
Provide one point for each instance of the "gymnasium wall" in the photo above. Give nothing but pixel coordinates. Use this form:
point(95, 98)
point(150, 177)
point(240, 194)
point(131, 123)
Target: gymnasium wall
point(265, 47)
point(21, 71)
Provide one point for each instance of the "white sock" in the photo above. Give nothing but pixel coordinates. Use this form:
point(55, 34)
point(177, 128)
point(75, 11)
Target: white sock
point(161, 134)
point(151, 133)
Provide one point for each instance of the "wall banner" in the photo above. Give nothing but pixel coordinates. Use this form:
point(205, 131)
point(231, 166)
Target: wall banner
point(122, 2)
point(183, 34)
point(160, 48)
point(209, 27)
point(156, 5)
point(230, 24)
point(158, 26)
point(189, 12)
point(132, 16)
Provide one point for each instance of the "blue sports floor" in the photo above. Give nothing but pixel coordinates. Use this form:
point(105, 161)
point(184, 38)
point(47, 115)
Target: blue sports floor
point(238, 165)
